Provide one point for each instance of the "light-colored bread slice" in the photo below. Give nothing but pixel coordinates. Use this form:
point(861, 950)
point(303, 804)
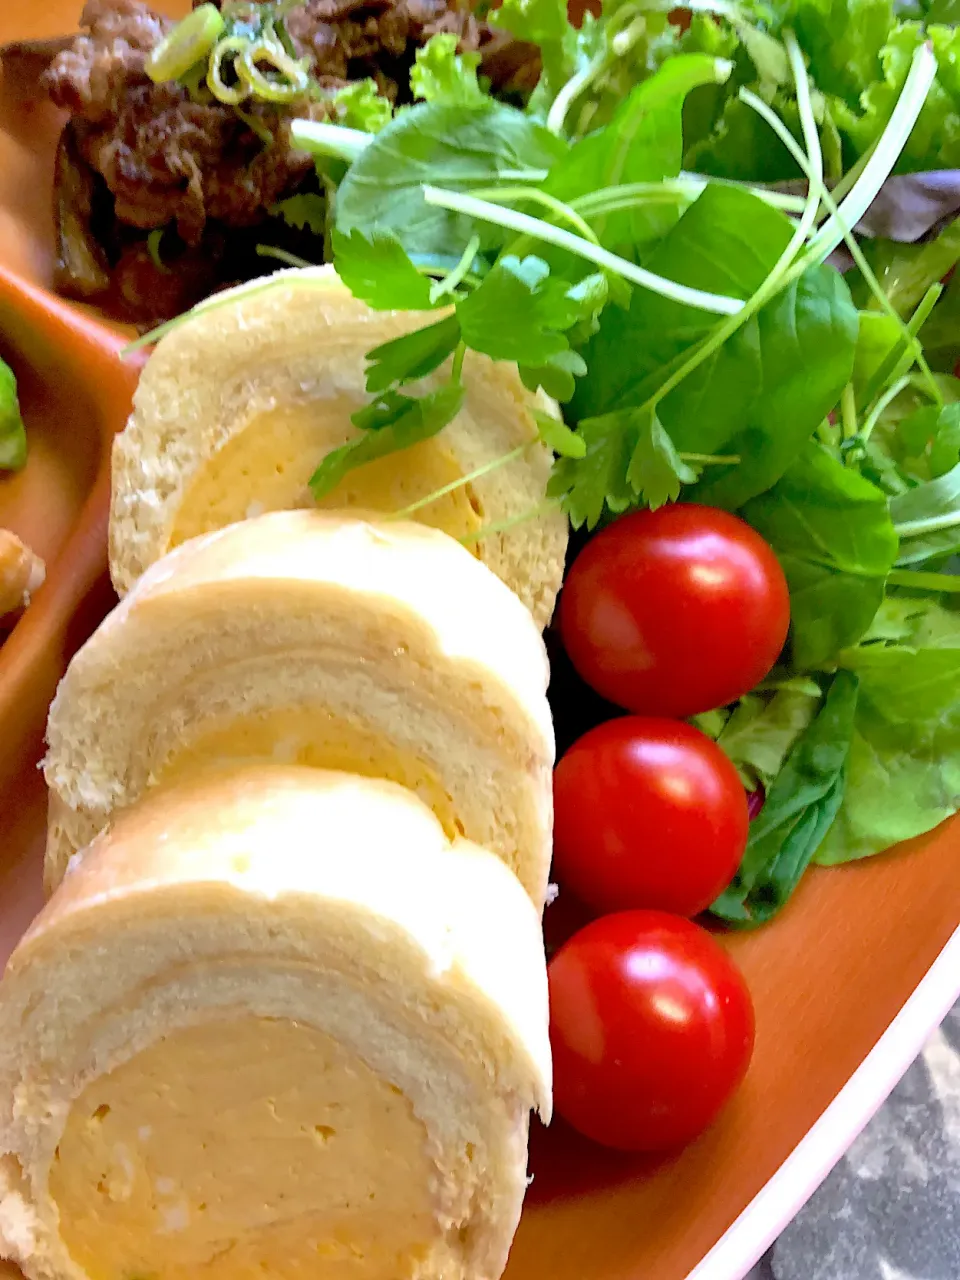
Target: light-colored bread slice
point(238, 406)
point(273, 1024)
point(314, 638)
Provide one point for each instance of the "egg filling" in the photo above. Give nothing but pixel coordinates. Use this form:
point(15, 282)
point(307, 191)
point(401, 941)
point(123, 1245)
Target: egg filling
point(267, 467)
point(311, 736)
point(255, 1147)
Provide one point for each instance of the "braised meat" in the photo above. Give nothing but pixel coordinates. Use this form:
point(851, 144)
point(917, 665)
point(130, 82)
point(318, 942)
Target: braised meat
point(141, 156)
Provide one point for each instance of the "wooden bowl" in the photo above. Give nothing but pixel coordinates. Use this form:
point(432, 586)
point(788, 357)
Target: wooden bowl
point(847, 982)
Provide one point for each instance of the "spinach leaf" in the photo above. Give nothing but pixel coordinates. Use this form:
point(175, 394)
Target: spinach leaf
point(832, 532)
point(642, 143)
point(726, 242)
point(829, 610)
point(823, 511)
point(765, 391)
point(806, 340)
point(451, 146)
point(799, 810)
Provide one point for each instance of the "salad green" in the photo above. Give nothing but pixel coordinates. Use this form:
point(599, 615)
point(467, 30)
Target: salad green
point(650, 236)
point(13, 436)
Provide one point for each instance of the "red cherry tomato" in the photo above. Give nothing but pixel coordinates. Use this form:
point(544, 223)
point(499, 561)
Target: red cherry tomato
point(652, 1030)
point(648, 813)
point(675, 611)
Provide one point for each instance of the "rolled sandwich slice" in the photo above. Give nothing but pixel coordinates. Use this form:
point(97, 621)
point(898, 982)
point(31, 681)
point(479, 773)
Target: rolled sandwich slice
point(273, 1025)
point(238, 406)
point(312, 638)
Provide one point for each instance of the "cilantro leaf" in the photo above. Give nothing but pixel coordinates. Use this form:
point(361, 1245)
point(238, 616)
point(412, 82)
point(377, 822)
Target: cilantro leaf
point(596, 482)
point(393, 423)
point(376, 269)
point(440, 74)
point(305, 211)
point(458, 147)
point(360, 105)
point(556, 435)
point(557, 375)
point(413, 355)
point(656, 471)
point(520, 310)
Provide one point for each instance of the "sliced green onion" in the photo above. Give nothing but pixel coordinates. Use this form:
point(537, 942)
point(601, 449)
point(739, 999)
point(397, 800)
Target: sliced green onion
point(154, 240)
point(188, 43)
point(232, 95)
point(263, 86)
point(513, 220)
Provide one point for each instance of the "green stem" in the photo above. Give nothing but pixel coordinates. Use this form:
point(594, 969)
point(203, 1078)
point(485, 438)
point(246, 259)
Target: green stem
point(506, 195)
point(513, 220)
point(501, 526)
point(469, 478)
point(877, 411)
point(932, 524)
point(774, 281)
point(281, 255)
point(848, 412)
point(458, 356)
point(711, 459)
point(939, 582)
point(459, 272)
point(816, 185)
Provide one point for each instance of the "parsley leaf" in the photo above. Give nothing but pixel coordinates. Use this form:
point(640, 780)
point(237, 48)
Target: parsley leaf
point(440, 74)
point(557, 375)
point(392, 423)
point(305, 211)
point(376, 269)
point(412, 356)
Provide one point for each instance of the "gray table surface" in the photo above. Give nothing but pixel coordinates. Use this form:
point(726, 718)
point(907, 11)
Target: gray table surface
point(891, 1208)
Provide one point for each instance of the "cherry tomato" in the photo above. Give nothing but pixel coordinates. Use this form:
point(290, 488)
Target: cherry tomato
point(675, 611)
point(648, 813)
point(652, 1029)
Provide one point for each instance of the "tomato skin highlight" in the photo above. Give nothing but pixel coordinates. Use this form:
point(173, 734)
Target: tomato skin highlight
point(652, 1030)
point(675, 611)
point(648, 813)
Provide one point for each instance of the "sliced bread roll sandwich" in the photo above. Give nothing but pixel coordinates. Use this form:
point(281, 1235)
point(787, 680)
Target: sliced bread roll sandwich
point(238, 406)
point(273, 1025)
point(313, 638)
